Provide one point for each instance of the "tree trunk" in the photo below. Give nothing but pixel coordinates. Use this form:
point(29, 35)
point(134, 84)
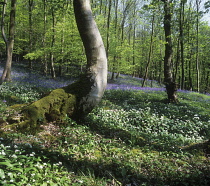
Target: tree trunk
point(79, 98)
point(198, 2)
point(96, 70)
point(2, 22)
point(181, 36)
point(150, 52)
point(108, 27)
point(52, 68)
point(171, 86)
point(45, 64)
point(30, 7)
point(134, 41)
point(114, 67)
point(6, 76)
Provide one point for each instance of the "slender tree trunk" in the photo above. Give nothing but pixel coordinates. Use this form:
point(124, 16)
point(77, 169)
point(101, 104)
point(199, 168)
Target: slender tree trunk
point(44, 62)
point(160, 63)
point(6, 76)
point(126, 6)
point(3, 22)
point(30, 5)
point(150, 51)
point(134, 40)
point(52, 68)
point(114, 68)
point(62, 50)
point(170, 83)
point(101, 3)
point(207, 88)
point(190, 52)
point(108, 27)
point(177, 59)
point(197, 44)
point(181, 37)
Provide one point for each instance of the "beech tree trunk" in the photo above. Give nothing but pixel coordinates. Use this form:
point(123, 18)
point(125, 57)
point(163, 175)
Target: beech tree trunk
point(79, 98)
point(95, 77)
point(6, 76)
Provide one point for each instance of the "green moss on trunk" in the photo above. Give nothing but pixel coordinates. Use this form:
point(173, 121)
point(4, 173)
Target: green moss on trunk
point(52, 107)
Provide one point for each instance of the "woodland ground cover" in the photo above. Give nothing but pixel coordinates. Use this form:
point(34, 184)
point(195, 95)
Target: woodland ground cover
point(132, 138)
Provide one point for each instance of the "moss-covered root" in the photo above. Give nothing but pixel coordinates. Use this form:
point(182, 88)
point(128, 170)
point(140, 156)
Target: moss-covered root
point(52, 107)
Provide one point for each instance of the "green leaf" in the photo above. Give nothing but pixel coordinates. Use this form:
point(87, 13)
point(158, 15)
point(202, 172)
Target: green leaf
point(7, 163)
point(30, 169)
point(44, 184)
point(2, 175)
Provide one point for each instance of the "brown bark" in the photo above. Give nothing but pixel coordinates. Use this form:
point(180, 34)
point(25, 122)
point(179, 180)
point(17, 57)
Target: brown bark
point(108, 27)
point(170, 83)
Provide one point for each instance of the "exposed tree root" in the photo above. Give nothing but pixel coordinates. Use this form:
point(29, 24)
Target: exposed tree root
point(53, 107)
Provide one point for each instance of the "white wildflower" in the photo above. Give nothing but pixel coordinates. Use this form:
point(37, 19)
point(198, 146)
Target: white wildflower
point(3, 153)
point(80, 181)
point(9, 174)
point(14, 156)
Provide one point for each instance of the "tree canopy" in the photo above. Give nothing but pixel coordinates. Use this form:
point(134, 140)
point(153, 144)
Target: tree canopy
point(46, 35)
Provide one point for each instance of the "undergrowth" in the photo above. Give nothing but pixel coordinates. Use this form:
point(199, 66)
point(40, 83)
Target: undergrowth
point(132, 138)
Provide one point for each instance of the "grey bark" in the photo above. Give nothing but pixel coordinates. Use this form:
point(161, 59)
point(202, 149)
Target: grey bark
point(6, 76)
point(93, 83)
point(79, 98)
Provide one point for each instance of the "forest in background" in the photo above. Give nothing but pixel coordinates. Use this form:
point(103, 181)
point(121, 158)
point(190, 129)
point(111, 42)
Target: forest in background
point(46, 35)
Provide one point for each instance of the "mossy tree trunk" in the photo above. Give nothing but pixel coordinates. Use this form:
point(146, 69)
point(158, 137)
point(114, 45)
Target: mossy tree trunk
point(79, 98)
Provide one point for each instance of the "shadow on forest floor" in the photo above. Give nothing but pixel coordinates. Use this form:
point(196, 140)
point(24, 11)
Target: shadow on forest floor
point(119, 171)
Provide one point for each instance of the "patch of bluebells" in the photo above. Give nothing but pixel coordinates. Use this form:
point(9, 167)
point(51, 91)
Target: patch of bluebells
point(131, 87)
point(125, 82)
point(37, 80)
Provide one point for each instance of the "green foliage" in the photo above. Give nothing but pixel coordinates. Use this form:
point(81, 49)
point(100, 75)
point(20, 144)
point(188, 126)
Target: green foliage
point(148, 115)
point(20, 164)
point(12, 93)
point(132, 137)
point(127, 40)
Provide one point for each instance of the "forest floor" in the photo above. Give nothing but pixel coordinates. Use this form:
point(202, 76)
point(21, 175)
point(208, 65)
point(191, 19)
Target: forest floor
point(132, 138)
